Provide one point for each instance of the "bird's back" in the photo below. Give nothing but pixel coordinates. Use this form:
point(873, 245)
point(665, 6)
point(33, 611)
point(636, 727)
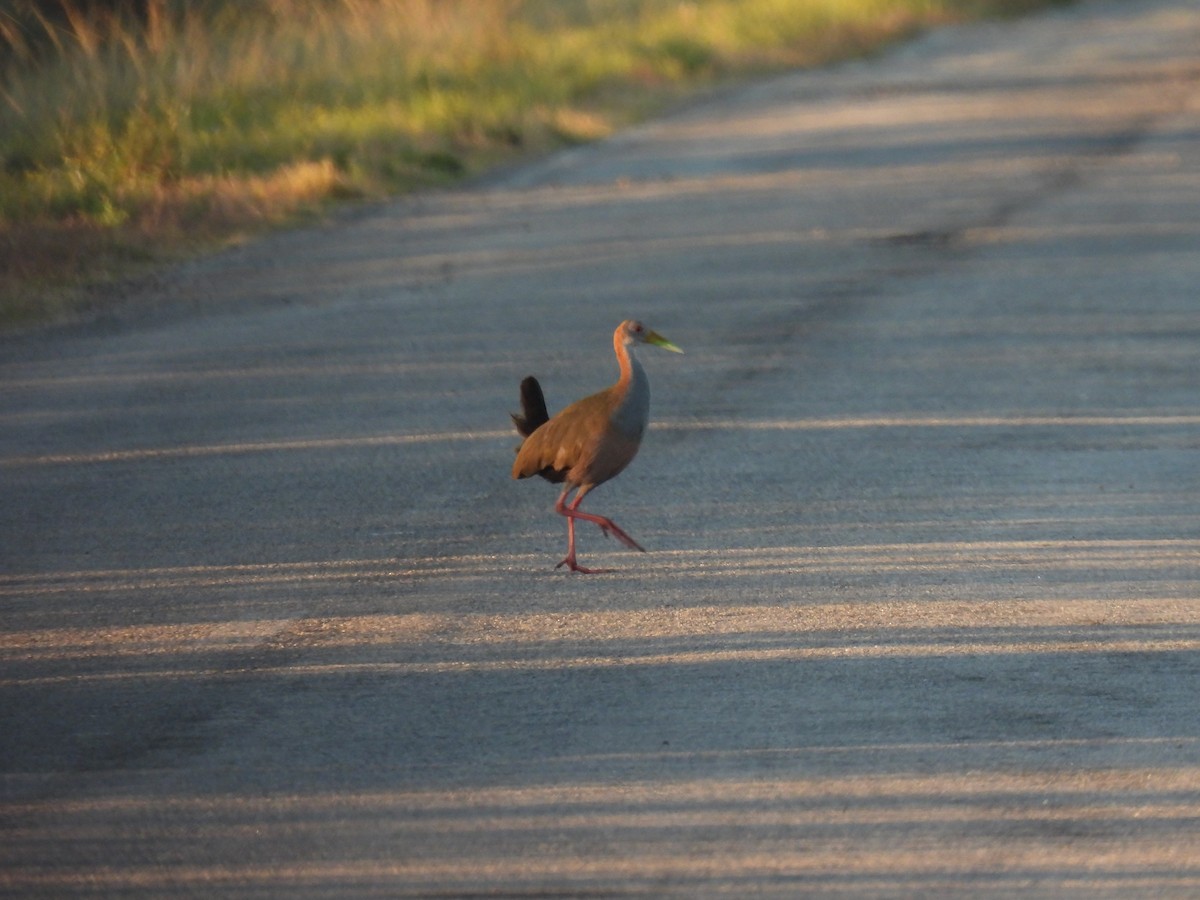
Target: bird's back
point(579, 445)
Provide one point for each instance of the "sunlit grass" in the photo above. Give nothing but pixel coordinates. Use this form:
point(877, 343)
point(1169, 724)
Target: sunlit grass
point(125, 142)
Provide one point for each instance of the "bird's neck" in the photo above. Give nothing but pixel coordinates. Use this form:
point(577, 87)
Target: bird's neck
point(632, 392)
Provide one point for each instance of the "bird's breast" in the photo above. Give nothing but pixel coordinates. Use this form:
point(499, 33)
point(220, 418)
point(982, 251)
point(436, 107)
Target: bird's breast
point(630, 420)
point(631, 413)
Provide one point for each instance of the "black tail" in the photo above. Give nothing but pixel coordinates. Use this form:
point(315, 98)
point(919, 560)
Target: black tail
point(533, 408)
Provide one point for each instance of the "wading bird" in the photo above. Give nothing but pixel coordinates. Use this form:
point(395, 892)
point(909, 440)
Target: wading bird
point(591, 440)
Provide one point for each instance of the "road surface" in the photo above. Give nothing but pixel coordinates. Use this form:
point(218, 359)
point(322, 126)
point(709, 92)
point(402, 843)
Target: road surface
point(919, 614)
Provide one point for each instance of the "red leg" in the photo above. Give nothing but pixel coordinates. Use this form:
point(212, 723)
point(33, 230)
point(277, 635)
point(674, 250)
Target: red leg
point(608, 526)
point(569, 559)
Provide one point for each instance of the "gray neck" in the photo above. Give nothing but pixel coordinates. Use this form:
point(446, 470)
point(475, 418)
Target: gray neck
point(631, 416)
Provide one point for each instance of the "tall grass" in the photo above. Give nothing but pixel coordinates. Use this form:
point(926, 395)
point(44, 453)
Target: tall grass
point(126, 140)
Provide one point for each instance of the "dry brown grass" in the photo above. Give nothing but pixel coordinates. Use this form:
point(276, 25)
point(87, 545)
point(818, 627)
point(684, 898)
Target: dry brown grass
point(125, 142)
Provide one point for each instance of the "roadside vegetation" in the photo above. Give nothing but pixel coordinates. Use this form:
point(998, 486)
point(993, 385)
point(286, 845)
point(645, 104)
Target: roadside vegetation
point(134, 132)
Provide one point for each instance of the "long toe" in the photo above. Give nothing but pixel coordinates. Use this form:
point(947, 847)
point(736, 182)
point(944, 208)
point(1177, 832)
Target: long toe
point(571, 564)
point(584, 570)
point(621, 536)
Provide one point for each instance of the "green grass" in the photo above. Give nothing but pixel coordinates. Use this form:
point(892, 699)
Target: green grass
point(124, 144)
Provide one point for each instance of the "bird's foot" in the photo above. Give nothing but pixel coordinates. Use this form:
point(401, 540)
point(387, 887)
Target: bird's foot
point(569, 562)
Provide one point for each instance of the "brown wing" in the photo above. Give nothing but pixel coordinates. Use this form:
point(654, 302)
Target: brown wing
point(569, 443)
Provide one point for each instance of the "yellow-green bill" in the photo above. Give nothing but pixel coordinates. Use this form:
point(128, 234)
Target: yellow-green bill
point(658, 340)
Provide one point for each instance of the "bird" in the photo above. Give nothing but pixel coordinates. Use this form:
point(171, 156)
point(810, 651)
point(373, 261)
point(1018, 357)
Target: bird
point(590, 441)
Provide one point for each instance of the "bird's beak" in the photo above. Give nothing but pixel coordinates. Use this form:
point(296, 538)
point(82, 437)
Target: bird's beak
point(653, 337)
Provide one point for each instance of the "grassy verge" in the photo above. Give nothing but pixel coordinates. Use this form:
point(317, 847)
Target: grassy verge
point(129, 140)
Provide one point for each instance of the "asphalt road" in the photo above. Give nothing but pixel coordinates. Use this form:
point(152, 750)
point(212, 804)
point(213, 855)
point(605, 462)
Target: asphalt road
point(919, 614)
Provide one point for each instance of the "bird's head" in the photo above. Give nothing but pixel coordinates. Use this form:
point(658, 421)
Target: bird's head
point(634, 332)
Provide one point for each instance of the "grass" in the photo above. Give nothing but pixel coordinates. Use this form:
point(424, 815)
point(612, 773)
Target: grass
point(127, 141)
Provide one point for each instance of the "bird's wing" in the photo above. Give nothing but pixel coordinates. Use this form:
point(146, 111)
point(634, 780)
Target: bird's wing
point(567, 442)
